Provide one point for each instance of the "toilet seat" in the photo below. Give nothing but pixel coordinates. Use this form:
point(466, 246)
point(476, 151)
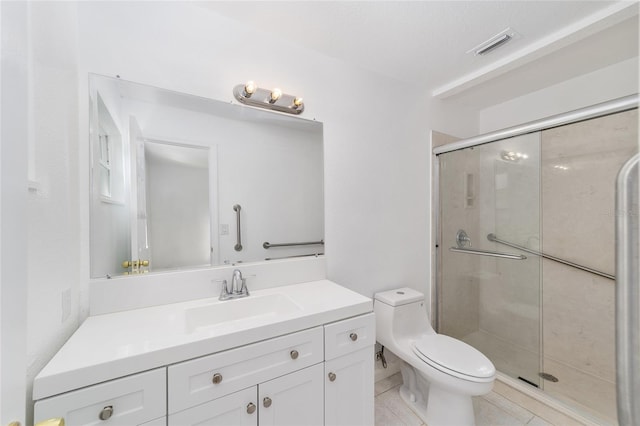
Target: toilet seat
point(454, 357)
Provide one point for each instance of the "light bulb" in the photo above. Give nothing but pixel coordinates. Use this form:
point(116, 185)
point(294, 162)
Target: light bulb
point(297, 102)
point(275, 95)
point(250, 88)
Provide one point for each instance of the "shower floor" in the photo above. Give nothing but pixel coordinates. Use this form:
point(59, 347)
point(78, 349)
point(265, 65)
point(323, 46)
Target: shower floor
point(590, 395)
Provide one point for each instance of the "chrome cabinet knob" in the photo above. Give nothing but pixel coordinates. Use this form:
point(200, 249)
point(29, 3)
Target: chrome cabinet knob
point(267, 402)
point(217, 378)
point(106, 413)
point(332, 377)
point(251, 408)
point(353, 336)
point(294, 354)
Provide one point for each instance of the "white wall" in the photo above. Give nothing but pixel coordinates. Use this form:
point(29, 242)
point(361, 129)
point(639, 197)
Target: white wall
point(52, 212)
point(614, 81)
point(13, 176)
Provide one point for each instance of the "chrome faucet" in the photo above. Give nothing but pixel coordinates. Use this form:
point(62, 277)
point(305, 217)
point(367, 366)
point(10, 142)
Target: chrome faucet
point(238, 287)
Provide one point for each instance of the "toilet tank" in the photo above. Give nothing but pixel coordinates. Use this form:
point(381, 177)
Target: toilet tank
point(400, 313)
point(399, 296)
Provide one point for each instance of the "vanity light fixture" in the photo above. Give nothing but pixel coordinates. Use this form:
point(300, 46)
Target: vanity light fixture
point(251, 94)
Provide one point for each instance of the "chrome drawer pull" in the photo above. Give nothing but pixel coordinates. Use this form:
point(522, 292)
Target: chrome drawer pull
point(217, 378)
point(251, 408)
point(332, 377)
point(294, 354)
point(106, 413)
point(267, 402)
point(353, 336)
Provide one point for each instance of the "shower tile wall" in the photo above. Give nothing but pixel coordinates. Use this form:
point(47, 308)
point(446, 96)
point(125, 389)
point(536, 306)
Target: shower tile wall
point(579, 167)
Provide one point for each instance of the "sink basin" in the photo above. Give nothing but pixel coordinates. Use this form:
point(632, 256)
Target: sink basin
point(250, 310)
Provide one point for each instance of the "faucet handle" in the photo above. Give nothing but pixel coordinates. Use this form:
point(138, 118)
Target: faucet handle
point(224, 289)
point(243, 287)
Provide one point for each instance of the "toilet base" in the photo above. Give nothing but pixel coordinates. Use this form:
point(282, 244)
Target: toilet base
point(448, 409)
point(433, 403)
point(414, 402)
point(442, 408)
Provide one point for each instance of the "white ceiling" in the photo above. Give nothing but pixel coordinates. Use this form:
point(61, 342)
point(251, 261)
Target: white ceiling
point(425, 42)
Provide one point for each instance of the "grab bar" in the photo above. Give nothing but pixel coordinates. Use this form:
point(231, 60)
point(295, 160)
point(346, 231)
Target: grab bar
point(238, 246)
point(492, 237)
point(268, 245)
point(295, 255)
point(480, 252)
point(627, 294)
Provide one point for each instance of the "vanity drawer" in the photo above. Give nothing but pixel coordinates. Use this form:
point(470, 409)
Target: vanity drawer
point(133, 400)
point(347, 336)
point(203, 379)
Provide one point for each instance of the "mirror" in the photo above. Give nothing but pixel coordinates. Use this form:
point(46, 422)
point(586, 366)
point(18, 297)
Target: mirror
point(181, 182)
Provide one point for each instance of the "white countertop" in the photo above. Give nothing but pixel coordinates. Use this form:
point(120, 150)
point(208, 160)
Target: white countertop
point(118, 344)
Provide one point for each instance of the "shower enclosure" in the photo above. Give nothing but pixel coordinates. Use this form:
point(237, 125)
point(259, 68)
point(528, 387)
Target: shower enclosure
point(526, 258)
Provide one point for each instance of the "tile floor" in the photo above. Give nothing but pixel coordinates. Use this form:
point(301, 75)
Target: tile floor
point(491, 410)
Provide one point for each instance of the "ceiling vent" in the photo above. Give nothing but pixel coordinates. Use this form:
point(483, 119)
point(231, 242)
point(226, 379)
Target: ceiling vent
point(494, 42)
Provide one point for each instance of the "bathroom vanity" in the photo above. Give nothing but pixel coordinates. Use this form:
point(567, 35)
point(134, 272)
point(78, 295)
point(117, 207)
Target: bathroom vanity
point(290, 355)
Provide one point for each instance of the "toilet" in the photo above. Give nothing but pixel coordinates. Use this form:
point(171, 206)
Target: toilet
point(440, 374)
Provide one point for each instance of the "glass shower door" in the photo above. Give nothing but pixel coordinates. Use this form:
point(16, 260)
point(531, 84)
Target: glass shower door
point(490, 292)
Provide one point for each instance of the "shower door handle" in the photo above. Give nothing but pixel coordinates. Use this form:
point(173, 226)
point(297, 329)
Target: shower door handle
point(627, 294)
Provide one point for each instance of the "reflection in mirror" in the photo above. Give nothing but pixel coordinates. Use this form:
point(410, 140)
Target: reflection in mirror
point(168, 168)
point(177, 197)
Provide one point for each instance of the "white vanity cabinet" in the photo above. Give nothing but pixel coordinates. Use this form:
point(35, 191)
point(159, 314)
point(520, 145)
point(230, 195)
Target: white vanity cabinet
point(312, 367)
point(132, 400)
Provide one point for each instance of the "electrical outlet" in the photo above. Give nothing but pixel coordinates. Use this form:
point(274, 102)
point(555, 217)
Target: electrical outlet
point(66, 304)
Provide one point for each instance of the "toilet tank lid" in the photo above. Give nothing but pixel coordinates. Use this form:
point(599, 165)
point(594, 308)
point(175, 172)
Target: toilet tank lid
point(399, 296)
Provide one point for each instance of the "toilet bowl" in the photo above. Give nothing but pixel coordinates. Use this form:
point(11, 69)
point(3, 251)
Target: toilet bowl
point(440, 374)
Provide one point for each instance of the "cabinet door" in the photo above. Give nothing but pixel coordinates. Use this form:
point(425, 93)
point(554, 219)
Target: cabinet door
point(348, 390)
point(237, 409)
point(295, 399)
